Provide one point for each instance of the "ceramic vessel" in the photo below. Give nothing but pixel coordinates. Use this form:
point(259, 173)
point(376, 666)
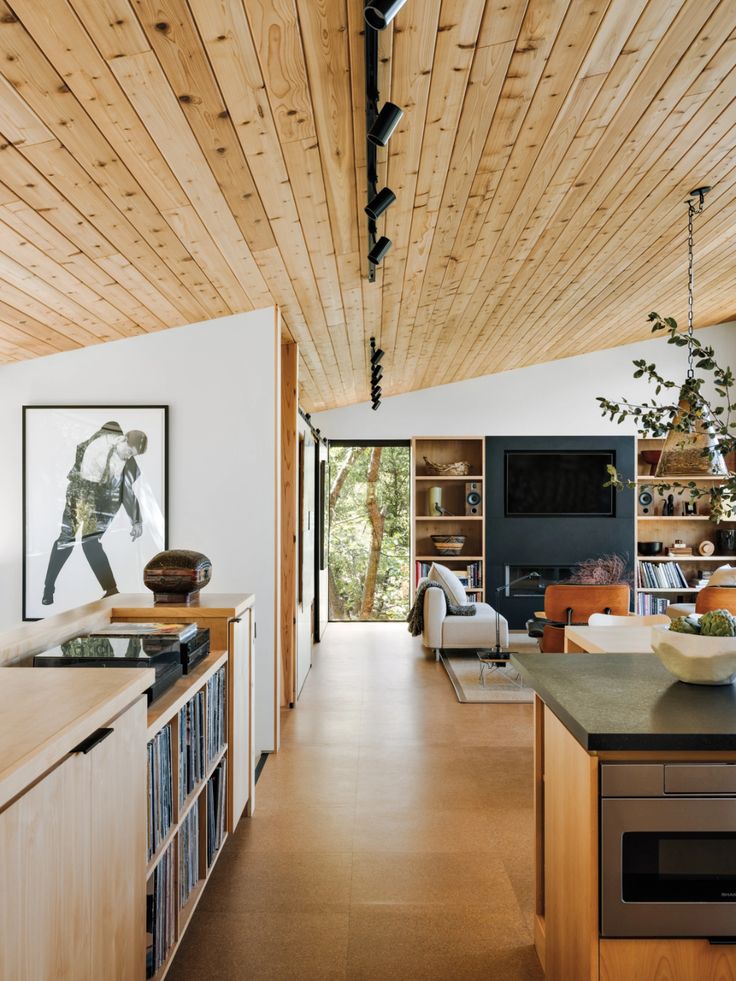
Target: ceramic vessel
point(695, 659)
point(448, 544)
point(177, 576)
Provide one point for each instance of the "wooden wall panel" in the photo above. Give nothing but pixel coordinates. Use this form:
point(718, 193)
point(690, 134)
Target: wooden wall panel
point(289, 523)
point(170, 161)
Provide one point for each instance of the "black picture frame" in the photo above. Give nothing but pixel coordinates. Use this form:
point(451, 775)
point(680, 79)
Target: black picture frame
point(65, 424)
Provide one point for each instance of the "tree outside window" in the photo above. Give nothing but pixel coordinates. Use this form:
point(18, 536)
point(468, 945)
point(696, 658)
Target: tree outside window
point(369, 553)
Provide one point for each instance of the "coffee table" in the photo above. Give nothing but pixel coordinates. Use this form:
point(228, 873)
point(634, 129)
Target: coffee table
point(493, 661)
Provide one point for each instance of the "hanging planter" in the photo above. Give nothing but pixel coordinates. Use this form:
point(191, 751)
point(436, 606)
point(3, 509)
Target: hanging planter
point(697, 429)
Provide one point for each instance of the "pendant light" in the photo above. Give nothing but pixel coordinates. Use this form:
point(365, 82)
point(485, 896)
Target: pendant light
point(691, 447)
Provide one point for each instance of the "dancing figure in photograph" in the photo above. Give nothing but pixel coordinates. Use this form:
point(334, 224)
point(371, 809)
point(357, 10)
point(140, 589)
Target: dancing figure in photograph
point(100, 482)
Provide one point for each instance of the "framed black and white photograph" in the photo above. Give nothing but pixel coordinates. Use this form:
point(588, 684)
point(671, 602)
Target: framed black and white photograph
point(95, 486)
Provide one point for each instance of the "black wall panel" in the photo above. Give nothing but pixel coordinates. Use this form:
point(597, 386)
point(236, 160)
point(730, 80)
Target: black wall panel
point(550, 541)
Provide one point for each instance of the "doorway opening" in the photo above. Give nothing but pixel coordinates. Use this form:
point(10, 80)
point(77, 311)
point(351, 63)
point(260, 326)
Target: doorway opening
point(369, 553)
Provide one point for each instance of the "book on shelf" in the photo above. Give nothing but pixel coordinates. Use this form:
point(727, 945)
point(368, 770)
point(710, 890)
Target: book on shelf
point(661, 575)
point(471, 576)
point(216, 797)
point(188, 855)
point(160, 913)
point(646, 604)
point(160, 790)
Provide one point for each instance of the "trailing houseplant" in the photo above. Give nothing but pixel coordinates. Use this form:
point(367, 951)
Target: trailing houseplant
point(687, 408)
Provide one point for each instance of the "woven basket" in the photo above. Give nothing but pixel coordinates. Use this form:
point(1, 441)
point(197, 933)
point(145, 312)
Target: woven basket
point(460, 469)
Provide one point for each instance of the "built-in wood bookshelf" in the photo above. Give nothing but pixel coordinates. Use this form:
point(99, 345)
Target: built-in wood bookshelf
point(692, 529)
point(424, 524)
point(165, 713)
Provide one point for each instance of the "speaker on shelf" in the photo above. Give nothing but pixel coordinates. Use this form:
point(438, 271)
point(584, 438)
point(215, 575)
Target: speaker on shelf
point(646, 500)
point(473, 498)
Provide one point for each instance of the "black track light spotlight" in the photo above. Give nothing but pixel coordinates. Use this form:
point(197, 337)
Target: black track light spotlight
point(376, 355)
point(375, 390)
point(379, 250)
point(377, 205)
point(376, 405)
point(385, 123)
point(376, 374)
point(379, 13)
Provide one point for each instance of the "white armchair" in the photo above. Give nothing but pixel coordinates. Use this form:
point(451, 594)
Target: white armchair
point(444, 632)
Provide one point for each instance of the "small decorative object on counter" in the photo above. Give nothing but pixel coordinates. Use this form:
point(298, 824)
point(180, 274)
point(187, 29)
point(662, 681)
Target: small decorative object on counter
point(668, 508)
point(689, 508)
point(176, 576)
point(459, 469)
point(448, 544)
point(706, 547)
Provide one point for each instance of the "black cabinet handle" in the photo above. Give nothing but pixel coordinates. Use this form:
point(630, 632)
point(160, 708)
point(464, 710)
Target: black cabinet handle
point(90, 742)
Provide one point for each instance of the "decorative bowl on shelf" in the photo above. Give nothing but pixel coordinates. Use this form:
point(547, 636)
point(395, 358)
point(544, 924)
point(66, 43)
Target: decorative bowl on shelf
point(459, 469)
point(695, 659)
point(448, 544)
point(651, 458)
point(649, 548)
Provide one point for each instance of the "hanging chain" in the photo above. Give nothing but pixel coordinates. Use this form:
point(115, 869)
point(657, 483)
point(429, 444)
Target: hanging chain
point(691, 212)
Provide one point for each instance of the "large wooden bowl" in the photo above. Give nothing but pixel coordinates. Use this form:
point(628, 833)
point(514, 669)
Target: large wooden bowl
point(695, 659)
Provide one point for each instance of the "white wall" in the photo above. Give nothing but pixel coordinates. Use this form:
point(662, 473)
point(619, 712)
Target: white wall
point(220, 380)
point(557, 398)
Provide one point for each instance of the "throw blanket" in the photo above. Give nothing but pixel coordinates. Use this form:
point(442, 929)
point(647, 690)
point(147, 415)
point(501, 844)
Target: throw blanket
point(416, 613)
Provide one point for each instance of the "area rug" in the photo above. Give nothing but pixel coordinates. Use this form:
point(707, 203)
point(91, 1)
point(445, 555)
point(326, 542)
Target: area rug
point(502, 684)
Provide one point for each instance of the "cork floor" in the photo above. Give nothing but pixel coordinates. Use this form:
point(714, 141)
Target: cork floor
point(392, 837)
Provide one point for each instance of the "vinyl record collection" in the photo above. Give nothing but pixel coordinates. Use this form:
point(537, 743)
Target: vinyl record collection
point(192, 761)
point(188, 855)
point(160, 913)
point(160, 790)
point(215, 714)
point(216, 796)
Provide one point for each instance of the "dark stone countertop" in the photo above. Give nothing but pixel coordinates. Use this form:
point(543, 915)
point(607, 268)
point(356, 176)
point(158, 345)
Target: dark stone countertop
point(630, 702)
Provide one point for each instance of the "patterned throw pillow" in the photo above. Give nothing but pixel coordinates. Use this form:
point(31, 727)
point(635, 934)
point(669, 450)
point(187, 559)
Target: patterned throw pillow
point(441, 574)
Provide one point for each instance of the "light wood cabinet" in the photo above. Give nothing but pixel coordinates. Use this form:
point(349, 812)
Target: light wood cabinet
point(567, 902)
point(666, 960)
point(73, 896)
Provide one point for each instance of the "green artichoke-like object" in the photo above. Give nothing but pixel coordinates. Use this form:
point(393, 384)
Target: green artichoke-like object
point(684, 625)
point(718, 623)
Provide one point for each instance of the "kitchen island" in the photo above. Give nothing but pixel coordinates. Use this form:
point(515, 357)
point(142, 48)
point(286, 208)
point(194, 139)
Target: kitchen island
point(597, 718)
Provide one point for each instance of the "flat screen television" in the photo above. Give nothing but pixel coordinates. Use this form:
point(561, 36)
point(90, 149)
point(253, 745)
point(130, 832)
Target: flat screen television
point(558, 483)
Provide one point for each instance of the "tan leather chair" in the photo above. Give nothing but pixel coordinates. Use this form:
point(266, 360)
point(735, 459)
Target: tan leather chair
point(716, 598)
point(570, 604)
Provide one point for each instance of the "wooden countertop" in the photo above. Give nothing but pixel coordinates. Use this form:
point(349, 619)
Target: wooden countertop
point(210, 604)
point(611, 640)
point(19, 643)
point(46, 712)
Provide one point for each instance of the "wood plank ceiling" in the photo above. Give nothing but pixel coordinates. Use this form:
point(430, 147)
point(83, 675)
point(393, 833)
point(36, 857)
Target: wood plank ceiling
point(169, 161)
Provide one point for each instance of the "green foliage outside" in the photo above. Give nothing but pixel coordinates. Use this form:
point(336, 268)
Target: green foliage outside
point(369, 535)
